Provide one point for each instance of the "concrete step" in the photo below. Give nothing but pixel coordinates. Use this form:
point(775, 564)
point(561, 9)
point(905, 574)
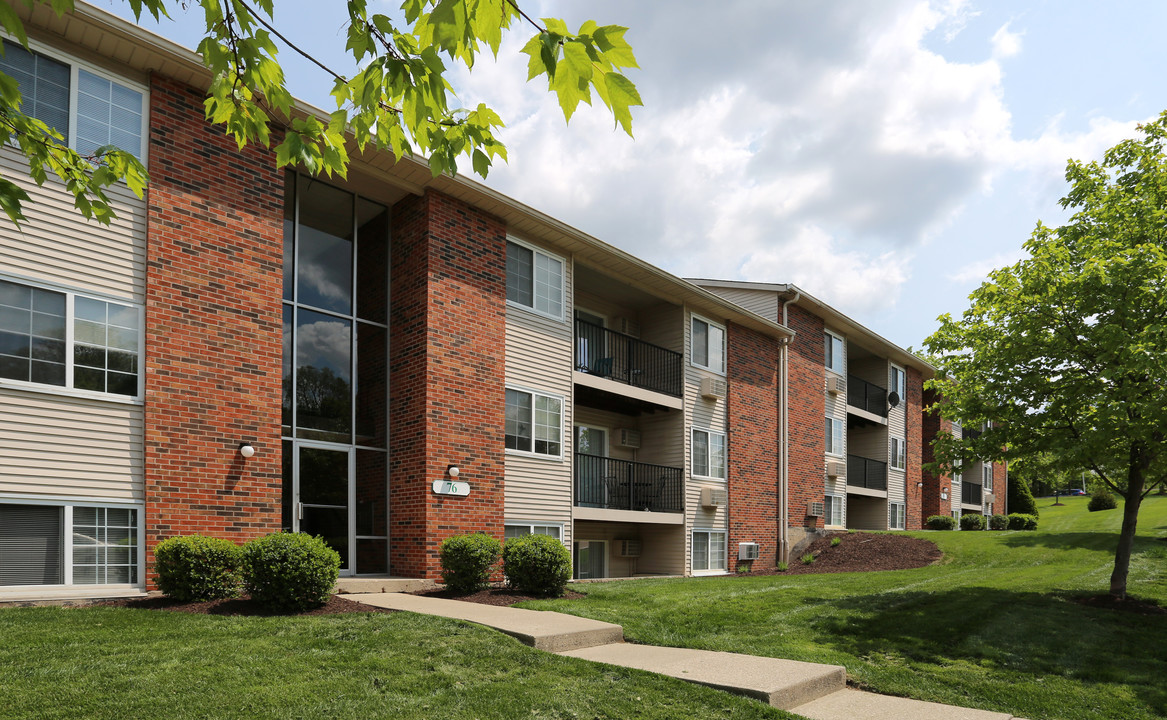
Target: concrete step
point(548, 631)
point(352, 585)
point(858, 705)
point(780, 683)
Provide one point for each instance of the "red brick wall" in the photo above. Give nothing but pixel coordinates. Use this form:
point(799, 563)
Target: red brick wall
point(913, 416)
point(447, 354)
point(807, 410)
point(213, 327)
point(930, 503)
point(752, 406)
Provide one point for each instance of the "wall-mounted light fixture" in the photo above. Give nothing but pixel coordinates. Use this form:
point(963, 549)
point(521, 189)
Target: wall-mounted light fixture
point(453, 471)
point(246, 449)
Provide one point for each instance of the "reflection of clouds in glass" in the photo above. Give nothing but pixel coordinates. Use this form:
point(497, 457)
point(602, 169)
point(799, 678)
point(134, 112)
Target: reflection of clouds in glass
point(325, 344)
point(325, 268)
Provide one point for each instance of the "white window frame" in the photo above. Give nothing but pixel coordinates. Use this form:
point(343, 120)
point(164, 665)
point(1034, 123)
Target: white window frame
point(70, 324)
point(898, 453)
point(842, 352)
point(830, 423)
point(709, 544)
point(76, 64)
point(562, 414)
point(67, 505)
point(842, 511)
point(987, 477)
point(536, 250)
point(900, 386)
point(709, 454)
point(897, 516)
point(530, 525)
point(694, 318)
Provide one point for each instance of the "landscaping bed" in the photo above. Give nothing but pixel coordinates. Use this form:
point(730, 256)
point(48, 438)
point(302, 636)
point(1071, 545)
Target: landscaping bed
point(241, 606)
point(860, 552)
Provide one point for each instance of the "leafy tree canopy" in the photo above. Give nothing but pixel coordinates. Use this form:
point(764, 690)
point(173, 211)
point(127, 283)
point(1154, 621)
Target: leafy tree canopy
point(1066, 350)
point(399, 101)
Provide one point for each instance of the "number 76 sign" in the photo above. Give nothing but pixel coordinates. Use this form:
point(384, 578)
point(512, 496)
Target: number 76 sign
point(446, 487)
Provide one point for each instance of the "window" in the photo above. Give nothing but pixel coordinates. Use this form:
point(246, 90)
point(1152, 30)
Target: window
point(899, 454)
point(987, 474)
point(708, 345)
point(956, 515)
point(834, 436)
point(897, 383)
point(896, 519)
point(100, 354)
point(516, 530)
point(709, 553)
point(834, 353)
point(534, 280)
point(956, 471)
point(68, 545)
point(708, 454)
point(833, 507)
point(534, 422)
point(105, 112)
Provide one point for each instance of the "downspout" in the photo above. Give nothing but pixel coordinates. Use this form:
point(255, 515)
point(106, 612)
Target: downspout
point(784, 439)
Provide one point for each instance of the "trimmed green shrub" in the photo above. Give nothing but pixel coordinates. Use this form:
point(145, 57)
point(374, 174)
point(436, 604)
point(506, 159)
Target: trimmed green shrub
point(1022, 521)
point(783, 567)
point(1101, 500)
point(807, 559)
point(290, 572)
point(835, 541)
point(972, 521)
point(539, 565)
point(1020, 498)
point(192, 568)
point(467, 561)
point(941, 522)
point(999, 522)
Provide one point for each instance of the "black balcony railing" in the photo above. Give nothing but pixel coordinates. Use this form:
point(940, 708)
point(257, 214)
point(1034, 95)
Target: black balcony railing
point(866, 473)
point(866, 396)
point(602, 482)
point(606, 353)
point(970, 494)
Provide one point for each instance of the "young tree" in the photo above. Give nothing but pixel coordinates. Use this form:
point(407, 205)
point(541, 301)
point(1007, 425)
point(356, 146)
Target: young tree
point(398, 101)
point(1067, 350)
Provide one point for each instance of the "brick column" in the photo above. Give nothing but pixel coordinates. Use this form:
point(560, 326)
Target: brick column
point(752, 406)
point(913, 417)
point(806, 386)
point(447, 352)
point(213, 327)
point(930, 503)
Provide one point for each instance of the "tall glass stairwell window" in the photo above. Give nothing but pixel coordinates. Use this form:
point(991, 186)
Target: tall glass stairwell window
point(335, 370)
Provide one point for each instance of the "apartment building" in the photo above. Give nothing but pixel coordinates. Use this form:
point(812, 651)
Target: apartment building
point(392, 359)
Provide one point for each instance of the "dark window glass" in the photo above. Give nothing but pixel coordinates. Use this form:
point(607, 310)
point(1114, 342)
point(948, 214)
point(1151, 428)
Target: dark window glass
point(286, 387)
point(286, 492)
point(32, 334)
point(518, 420)
point(372, 376)
point(325, 253)
point(44, 85)
point(371, 495)
point(372, 261)
point(289, 236)
point(520, 275)
point(30, 545)
point(323, 377)
point(700, 343)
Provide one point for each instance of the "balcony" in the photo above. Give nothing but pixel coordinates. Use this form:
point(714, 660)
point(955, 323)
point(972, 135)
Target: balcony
point(609, 484)
point(866, 473)
point(970, 494)
point(616, 356)
point(866, 396)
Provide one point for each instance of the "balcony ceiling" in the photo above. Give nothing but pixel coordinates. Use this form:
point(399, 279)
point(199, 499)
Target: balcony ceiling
point(593, 282)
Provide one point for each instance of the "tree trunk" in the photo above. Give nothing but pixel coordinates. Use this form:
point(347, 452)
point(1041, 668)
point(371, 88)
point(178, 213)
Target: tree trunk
point(1126, 538)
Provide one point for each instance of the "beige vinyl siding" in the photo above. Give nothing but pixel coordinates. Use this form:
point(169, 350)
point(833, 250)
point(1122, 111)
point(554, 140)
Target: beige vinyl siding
point(539, 356)
point(662, 438)
point(55, 445)
point(869, 442)
point(873, 370)
point(662, 547)
point(664, 326)
point(846, 364)
point(58, 245)
point(896, 427)
point(598, 305)
point(702, 414)
point(610, 421)
point(866, 513)
point(760, 302)
point(954, 485)
point(835, 406)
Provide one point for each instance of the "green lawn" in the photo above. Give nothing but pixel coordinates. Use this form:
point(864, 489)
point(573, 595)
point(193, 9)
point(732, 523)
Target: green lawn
point(992, 626)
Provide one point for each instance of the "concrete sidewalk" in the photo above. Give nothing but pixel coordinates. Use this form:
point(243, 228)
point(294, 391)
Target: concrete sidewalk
point(809, 689)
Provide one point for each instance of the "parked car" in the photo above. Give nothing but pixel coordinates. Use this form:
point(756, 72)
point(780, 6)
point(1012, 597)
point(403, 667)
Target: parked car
point(1073, 491)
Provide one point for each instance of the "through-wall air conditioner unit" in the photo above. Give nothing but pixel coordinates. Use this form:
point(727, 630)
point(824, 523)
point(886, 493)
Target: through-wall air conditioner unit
point(747, 551)
point(815, 509)
point(628, 438)
point(629, 548)
point(836, 469)
point(628, 326)
point(713, 388)
point(713, 497)
point(836, 385)
point(990, 497)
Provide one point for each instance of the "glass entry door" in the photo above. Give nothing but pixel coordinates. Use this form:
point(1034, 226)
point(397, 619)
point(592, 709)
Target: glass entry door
point(323, 497)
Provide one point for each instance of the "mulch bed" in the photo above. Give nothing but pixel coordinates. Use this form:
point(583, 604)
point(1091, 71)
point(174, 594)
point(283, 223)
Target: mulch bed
point(237, 606)
point(1127, 604)
point(491, 596)
point(860, 552)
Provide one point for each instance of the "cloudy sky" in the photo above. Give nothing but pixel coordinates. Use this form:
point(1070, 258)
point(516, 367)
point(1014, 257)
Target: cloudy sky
point(881, 155)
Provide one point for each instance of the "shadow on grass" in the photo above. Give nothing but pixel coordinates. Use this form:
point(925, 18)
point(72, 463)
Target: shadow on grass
point(1104, 541)
point(1009, 636)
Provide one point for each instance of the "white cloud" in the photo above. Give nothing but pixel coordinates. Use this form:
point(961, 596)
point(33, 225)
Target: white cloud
point(978, 272)
point(1005, 43)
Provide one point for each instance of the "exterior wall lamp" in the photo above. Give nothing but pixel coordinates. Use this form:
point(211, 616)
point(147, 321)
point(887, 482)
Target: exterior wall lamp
point(246, 449)
point(453, 471)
